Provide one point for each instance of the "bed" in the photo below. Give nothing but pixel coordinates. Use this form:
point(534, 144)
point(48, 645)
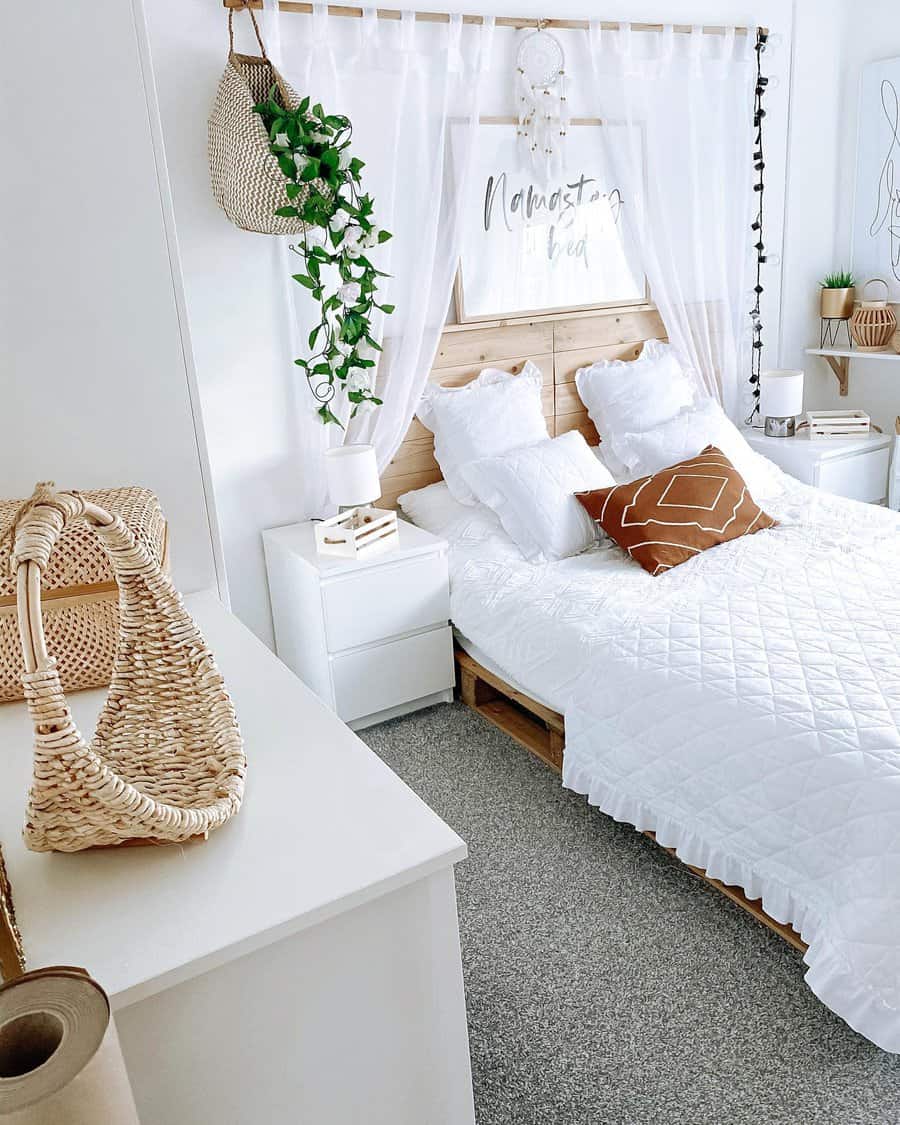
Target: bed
point(745, 711)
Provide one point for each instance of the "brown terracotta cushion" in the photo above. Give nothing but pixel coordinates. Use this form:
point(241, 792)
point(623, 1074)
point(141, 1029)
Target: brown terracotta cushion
point(666, 519)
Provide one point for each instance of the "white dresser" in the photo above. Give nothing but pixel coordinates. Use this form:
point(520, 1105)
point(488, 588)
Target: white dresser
point(371, 637)
point(855, 467)
point(300, 966)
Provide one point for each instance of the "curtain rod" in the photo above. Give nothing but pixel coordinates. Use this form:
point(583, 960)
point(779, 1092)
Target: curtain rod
point(500, 21)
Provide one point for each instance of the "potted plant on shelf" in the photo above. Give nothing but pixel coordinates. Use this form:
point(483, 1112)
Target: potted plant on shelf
point(837, 296)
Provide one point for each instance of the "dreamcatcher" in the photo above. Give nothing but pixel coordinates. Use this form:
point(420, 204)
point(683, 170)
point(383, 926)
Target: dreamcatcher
point(541, 99)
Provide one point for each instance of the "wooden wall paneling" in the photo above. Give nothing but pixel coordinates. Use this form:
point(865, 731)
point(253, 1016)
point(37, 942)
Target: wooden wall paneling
point(600, 331)
point(484, 346)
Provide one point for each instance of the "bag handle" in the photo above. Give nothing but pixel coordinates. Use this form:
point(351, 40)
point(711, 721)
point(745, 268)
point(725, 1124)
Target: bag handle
point(246, 7)
point(39, 524)
point(876, 281)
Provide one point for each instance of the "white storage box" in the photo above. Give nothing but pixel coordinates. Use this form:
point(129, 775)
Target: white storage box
point(837, 423)
point(357, 533)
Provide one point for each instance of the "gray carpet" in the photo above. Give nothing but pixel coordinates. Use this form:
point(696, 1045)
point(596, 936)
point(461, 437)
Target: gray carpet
point(605, 984)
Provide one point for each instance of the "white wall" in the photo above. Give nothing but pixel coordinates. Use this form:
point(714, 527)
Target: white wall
point(234, 284)
point(94, 378)
point(872, 32)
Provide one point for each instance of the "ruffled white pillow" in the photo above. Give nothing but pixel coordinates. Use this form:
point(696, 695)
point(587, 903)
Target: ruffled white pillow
point(532, 491)
point(495, 412)
point(628, 396)
point(685, 436)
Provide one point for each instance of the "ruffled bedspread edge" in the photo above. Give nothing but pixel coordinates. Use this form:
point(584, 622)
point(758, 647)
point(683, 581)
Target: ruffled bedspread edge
point(828, 975)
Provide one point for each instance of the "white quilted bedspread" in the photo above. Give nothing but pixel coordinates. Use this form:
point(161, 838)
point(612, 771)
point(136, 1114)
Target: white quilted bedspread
point(744, 706)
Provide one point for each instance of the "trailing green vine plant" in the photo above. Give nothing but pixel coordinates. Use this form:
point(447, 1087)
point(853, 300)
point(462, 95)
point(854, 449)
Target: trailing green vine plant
point(322, 182)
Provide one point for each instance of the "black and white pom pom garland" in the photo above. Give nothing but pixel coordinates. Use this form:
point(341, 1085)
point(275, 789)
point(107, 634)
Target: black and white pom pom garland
point(759, 165)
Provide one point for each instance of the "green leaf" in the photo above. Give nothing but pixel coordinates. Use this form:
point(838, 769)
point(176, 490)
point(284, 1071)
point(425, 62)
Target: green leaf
point(318, 111)
point(327, 417)
point(383, 236)
point(304, 106)
point(293, 190)
point(287, 212)
point(306, 282)
point(287, 166)
point(387, 309)
point(313, 336)
point(356, 166)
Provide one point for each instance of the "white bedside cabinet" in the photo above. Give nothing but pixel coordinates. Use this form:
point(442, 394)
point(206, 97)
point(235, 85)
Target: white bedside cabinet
point(372, 638)
point(855, 467)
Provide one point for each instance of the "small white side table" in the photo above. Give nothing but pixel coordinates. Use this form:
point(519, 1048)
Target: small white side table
point(854, 467)
point(372, 637)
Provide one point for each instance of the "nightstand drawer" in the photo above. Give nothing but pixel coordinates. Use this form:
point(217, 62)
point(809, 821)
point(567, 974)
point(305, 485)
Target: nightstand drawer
point(383, 676)
point(861, 478)
point(385, 601)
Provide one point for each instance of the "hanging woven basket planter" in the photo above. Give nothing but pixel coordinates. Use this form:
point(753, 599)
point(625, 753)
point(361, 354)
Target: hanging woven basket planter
point(246, 179)
point(166, 762)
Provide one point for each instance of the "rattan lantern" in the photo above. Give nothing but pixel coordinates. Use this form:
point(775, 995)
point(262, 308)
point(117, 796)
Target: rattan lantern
point(873, 323)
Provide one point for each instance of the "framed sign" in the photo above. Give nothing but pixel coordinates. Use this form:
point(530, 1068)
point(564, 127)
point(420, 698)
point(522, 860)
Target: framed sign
point(528, 248)
point(876, 217)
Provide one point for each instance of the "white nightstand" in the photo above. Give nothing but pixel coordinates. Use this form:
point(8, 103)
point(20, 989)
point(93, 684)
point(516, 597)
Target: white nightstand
point(371, 638)
point(854, 467)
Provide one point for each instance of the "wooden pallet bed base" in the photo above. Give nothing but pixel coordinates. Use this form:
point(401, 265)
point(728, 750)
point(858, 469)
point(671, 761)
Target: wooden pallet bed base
point(542, 732)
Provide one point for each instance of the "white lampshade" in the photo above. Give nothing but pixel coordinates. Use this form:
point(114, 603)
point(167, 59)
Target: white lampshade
point(780, 393)
point(352, 475)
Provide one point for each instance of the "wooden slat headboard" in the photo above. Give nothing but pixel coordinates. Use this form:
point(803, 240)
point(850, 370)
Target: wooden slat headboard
point(558, 347)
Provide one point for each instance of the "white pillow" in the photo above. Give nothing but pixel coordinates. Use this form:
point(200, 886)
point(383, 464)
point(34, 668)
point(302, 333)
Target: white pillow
point(432, 507)
point(626, 396)
point(532, 490)
point(495, 412)
point(686, 435)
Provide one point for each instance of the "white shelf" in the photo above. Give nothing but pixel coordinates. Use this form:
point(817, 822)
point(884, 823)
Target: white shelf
point(838, 359)
point(854, 353)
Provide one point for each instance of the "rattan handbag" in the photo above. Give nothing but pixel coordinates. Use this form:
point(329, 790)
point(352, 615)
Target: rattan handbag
point(246, 180)
point(166, 762)
point(81, 600)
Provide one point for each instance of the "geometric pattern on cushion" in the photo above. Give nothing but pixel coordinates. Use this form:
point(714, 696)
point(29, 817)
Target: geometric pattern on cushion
point(667, 518)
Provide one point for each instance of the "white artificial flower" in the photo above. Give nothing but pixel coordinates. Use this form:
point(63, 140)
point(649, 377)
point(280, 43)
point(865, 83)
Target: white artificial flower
point(339, 220)
point(349, 293)
point(344, 348)
point(300, 161)
point(353, 233)
point(350, 248)
point(319, 138)
point(358, 379)
point(371, 239)
point(344, 159)
point(282, 139)
point(336, 362)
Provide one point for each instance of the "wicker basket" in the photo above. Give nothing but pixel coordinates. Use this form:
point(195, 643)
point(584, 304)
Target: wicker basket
point(873, 322)
point(81, 599)
point(247, 182)
point(167, 761)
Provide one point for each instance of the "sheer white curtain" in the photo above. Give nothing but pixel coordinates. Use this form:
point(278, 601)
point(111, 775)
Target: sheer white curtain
point(686, 172)
point(413, 92)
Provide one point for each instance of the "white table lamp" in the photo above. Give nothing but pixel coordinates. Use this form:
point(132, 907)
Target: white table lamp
point(780, 401)
point(358, 530)
point(352, 475)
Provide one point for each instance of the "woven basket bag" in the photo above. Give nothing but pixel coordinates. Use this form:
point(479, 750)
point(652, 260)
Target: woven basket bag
point(246, 180)
point(166, 762)
point(81, 600)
